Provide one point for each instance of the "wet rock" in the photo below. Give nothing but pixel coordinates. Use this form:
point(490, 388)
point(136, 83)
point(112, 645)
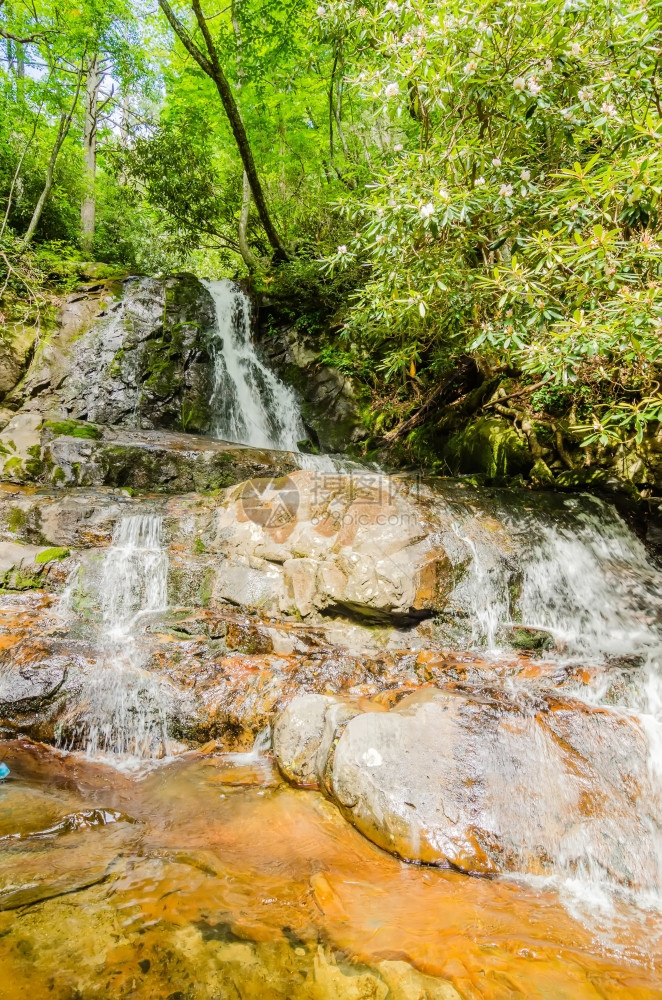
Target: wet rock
point(29, 686)
point(488, 787)
point(127, 352)
point(312, 542)
point(303, 735)
point(330, 403)
point(156, 460)
point(69, 453)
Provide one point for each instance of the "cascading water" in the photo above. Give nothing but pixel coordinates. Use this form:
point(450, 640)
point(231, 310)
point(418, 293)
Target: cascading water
point(123, 709)
point(250, 405)
point(135, 574)
point(576, 571)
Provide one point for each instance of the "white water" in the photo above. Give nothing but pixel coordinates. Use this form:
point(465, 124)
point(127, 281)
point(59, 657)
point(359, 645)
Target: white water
point(135, 573)
point(122, 708)
point(582, 575)
point(250, 405)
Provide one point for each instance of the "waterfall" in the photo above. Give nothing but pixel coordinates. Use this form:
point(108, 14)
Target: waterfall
point(250, 405)
point(580, 574)
point(122, 708)
point(135, 573)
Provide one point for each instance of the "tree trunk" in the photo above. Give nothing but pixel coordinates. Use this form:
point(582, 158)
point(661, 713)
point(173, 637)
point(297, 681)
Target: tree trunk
point(211, 66)
point(88, 206)
point(62, 132)
point(247, 254)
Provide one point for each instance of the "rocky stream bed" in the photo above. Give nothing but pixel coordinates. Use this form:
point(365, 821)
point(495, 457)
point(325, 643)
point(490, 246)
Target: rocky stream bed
point(281, 726)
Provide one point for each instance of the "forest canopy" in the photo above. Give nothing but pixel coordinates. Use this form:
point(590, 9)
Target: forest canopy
point(440, 182)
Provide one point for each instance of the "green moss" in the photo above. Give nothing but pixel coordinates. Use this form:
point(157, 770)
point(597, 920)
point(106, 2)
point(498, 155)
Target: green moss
point(534, 640)
point(19, 579)
point(73, 428)
point(13, 464)
point(16, 520)
point(58, 475)
point(490, 447)
point(52, 554)
point(206, 587)
point(34, 465)
point(115, 366)
point(199, 546)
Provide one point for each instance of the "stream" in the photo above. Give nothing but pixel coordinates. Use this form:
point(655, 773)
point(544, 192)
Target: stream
point(330, 734)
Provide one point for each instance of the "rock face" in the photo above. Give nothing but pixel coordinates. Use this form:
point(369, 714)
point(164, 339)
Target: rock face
point(132, 352)
point(319, 542)
point(330, 405)
point(485, 786)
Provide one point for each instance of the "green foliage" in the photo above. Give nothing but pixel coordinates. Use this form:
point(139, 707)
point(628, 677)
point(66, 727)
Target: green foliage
point(515, 211)
point(54, 554)
point(72, 428)
point(450, 179)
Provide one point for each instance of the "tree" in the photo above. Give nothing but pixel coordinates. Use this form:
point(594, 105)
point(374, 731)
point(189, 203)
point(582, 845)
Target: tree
point(210, 64)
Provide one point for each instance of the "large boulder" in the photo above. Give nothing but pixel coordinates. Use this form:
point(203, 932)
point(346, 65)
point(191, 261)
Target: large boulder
point(303, 735)
point(361, 544)
point(486, 786)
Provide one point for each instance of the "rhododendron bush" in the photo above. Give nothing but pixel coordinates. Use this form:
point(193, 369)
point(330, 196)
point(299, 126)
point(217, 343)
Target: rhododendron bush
point(512, 207)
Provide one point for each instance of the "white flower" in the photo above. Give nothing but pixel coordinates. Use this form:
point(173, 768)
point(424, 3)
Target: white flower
point(470, 67)
point(392, 7)
point(477, 47)
point(567, 113)
point(362, 12)
point(479, 182)
point(548, 65)
point(584, 95)
point(427, 210)
point(407, 38)
point(533, 86)
point(444, 195)
point(526, 175)
point(392, 89)
point(496, 162)
point(397, 148)
point(506, 190)
point(342, 250)
point(608, 109)
point(575, 50)
point(321, 11)
point(519, 84)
